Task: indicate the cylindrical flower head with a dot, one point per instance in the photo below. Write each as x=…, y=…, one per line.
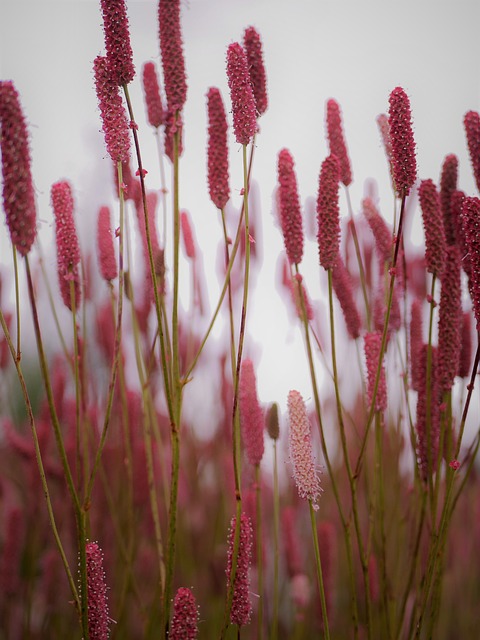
x=251, y=414
x=336, y=140
x=241, y=610
x=117, y=41
x=18, y=194
x=403, y=144
x=456, y=204
x=187, y=235
x=301, y=455
x=98, y=619
x=218, y=185
x=328, y=213
x=68, y=249
x=112, y=111
x=471, y=123
x=373, y=343
x=382, y=234
x=271, y=421
x=449, y=321
x=435, y=244
x=471, y=226
x=185, y=616
x=428, y=431
x=342, y=285
x=253, y=48
x=153, y=100
x=241, y=94
x=171, y=48
x=106, y=249
x=289, y=203
x=448, y=184
x=465, y=364
x=416, y=342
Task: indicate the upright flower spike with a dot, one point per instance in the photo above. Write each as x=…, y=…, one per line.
x=153, y=99
x=106, y=249
x=336, y=140
x=171, y=49
x=328, y=213
x=456, y=204
x=428, y=431
x=416, y=342
x=68, y=249
x=404, y=162
x=465, y=363
x=381, y=232
x=18, y=194
x=289, y=203
x=342, y=285
x=304, y=472
x=218, y=183
x=448, y=184
x=241, y=94
x=112, y=111
x=373, y=344
x=471, y=226
x=435, y=244
x=251, y=414
x=271, y=421
x=241, y=610
x=185, y=616
x=449, y=321
x=471, y=122
x=384, y=128
x=117, y=41
x=98, y=619
x=253, y=48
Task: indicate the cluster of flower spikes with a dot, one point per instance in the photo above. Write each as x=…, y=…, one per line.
x=117, y=41
x=241, y=610
x=217, y=152
x=18, y=193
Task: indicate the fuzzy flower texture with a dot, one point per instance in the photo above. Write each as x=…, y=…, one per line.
x=289, y=203
x=404, y=163
x=251, y=415
x=304, y=472
x=117, y=41
x=241, y=610
x=171, y=48
x=241, y=94
x=98, y=620
x=185, y=616
x=218, y=184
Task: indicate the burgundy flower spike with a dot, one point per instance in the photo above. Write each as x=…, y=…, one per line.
x=404, y=162
x=289, y=202
x=217, y=149
x=253, y=49
x=241, y=94
x=117, y=41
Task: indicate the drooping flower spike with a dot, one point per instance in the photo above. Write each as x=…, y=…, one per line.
x=404, y=161
x=253, y=48
x=241, y=94
x=117, y=41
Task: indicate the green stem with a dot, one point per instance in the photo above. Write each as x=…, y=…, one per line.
x=258, y=492
x=318, y=565
x=17, y=301
x=276, y=552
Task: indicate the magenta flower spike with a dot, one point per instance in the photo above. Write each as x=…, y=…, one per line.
x=105, y=246
x=381, y=232
x=373, y=344
x=449, y=321
x=424, y=451
x=252, y=420
x=471, y=218
x=171, y=49
x=253, y=48
x=328, y=213
x=187, y=235
x=435, y=245
x=301, y=455
x=342, y=285
x=241, y=610
x=153, y=99
x=98, y=619
x=218, y=182
x=241, y=94
x=185, y=616
x=117, y=41
x=448, y=184
x=114, y=118
x=68, y=249
x=336, y=140
x=18, y=193
x=289, y=204
x=404, y=162
x=471, y=122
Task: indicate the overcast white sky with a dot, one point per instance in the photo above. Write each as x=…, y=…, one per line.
x=355, y=51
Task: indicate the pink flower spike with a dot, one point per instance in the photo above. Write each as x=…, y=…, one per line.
x=328, y=213
x=289, y=204
x=454, y=464
x=448, y=184
x=435, y=244
x=241, y=610
x=185, y=616
x=253, y=48
x=464, y=366
x=251, y=414
x=241, y=94
x=471, y=218
x=381, y=232
x=403, y=144
x=117, y=41
x=187, y=235
x=416, y=342
x=153, y=100
x=106, y=249
x=18, y=193
x=373, y=343
x=428, y=443
x=342, y=285
x=218, y=183
x=98, y=619
x=301, y=455
x=471, y=122
x=336, y=140
x=171, y=48
x=68, y=249
x=449, y=322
